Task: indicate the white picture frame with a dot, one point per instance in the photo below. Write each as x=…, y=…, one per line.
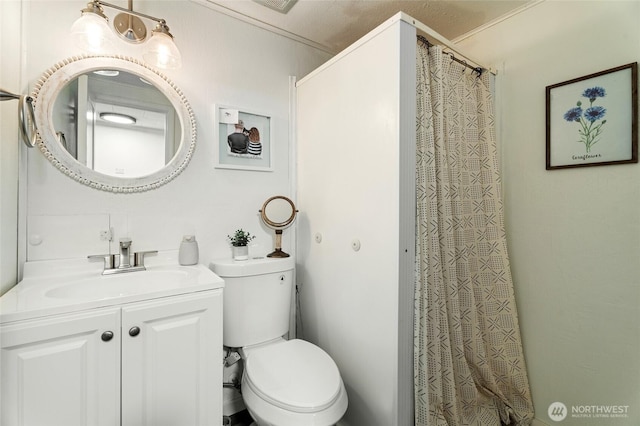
x=230, y=151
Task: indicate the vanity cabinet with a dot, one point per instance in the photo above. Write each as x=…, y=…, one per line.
x=57, y=371
x=152, y=363
x=171, y=366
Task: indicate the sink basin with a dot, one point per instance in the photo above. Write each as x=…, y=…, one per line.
x=118, y=285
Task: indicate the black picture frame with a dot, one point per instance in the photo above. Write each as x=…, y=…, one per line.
x=593, y=120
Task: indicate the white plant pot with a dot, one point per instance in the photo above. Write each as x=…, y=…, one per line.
x=240, y=252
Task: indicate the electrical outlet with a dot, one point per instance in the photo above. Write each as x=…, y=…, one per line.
x=106, y=235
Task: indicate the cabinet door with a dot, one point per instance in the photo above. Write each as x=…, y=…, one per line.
x=171, y=365
x=59, y=370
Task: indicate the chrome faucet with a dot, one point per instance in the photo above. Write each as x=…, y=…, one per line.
x=124, y=259
x=125, y=254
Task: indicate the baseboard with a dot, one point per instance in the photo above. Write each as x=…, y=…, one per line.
x=537, y=422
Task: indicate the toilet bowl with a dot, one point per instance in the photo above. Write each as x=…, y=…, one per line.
x=285, y=382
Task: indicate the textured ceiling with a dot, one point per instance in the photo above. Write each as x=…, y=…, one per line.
x=336, y=24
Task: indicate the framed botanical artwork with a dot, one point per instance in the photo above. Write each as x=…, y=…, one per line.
x=244, y=139
x=593, y=120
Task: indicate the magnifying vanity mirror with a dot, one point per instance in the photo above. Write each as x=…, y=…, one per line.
x=113, y=123
x=278, y=213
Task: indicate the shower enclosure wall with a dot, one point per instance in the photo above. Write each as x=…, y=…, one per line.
x=356, y=231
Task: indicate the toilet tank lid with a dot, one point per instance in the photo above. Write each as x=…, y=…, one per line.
x=256, y=266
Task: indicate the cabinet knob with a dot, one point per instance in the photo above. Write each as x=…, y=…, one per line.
x=106, y=336
x=134, y=331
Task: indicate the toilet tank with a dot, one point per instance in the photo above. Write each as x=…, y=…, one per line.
x=257, y=299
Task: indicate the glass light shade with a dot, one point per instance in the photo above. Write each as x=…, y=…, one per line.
x=92, y=33
x=162, y=52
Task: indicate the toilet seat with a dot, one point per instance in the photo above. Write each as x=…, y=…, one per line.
x=294, y=375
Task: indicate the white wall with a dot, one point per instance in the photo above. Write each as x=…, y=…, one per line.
x=225, y=61
x=127, y=152
x=10, y=80
x=356, y=168
x=574, y=235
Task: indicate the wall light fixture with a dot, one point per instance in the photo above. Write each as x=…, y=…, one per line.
x=91, y=32
x=116, y=117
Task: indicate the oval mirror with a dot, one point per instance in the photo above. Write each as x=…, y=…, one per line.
x=278, y=213
x=113, y=123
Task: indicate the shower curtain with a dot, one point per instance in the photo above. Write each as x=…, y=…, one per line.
x=469, y=366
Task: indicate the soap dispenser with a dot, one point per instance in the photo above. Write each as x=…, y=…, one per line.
x=188, y=254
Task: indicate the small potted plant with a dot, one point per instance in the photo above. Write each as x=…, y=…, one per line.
x=239, y=242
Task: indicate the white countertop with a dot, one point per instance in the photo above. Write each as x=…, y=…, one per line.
x=47, y=285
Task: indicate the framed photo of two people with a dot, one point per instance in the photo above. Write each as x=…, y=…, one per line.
x=244, y=139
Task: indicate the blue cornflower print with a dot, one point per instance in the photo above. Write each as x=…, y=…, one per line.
x=573, y=114
x=594, y=113
x=589, y=130
x=594, y=92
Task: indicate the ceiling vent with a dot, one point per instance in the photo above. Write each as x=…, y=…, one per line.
x=282, y=6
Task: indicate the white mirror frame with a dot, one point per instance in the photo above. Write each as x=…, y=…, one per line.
x=53, y=81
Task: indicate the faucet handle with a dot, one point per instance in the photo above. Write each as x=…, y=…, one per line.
x=125, y=242
x=109, y=260
x=138, y=257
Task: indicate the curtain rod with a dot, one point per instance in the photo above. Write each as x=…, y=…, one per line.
x=440, y=39
x=477, y=69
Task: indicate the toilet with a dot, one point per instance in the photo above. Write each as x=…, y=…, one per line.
x=285, y=382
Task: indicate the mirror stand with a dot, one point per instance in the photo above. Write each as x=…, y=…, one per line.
x=278, y=249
